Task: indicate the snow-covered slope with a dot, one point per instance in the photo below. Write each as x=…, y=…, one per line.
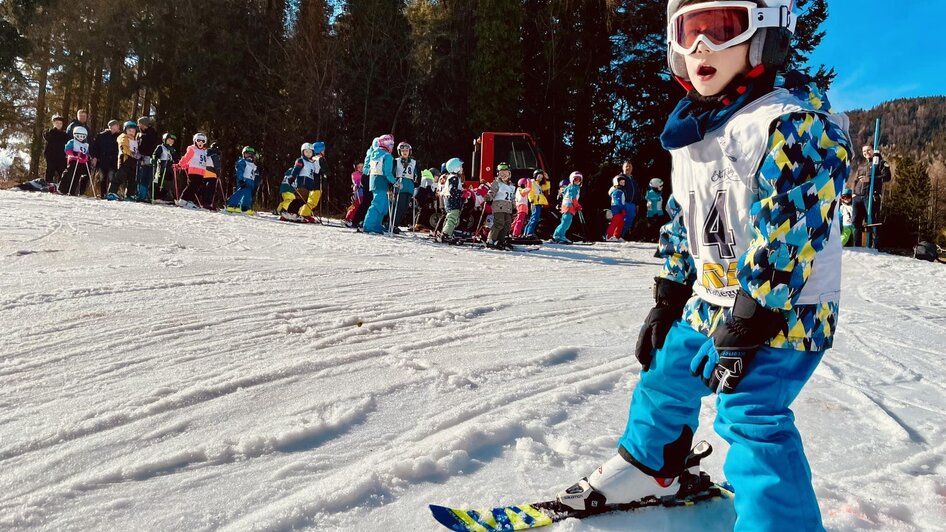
x=166, y=369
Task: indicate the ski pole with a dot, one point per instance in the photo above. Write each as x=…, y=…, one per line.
x=72, y=182
x=875, y=162
x=584, y=226
x=393, y=207
x=479, y=224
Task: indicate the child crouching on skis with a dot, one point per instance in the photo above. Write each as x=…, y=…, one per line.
x=246, y=176
x=296, y=206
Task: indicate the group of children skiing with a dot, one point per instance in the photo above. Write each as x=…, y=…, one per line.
x=387, y=186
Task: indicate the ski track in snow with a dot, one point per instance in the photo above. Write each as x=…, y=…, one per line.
x=167, y=369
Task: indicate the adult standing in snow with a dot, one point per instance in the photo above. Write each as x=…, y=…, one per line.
x=148, y=141
x=55, y=150
x=861, y=188
x=82, y=119
x=105, y=155
x=765, y=268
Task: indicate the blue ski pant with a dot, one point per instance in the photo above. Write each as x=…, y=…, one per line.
x=243, y=197
x=630, y=212
x=563, y=226
x=533, y=220
x=145, y=178
x=766, y=463
x=377, y=212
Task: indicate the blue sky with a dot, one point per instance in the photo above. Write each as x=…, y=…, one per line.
x=884, y=50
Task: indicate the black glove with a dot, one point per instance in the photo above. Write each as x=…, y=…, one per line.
x=242, y=183
x=670, y=297
x=723, y=360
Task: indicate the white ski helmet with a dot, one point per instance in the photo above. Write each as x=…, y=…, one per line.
x=773, y=22
x=200, y=136
x=657, y=183
x=617, y=178
x=575, y=177
x=80, y=131
x=307, y=146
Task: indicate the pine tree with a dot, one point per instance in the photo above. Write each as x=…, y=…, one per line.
x=906, y=208
x=496, y=91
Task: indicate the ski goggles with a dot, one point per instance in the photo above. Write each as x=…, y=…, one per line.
x=722, y=25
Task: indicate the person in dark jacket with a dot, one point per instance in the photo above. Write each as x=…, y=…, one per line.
x=55, y=151
x=105, y=155
x=148, y=141
x=82, y=119
x=861, y=188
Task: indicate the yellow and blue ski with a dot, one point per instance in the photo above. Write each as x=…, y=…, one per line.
x=529, y=516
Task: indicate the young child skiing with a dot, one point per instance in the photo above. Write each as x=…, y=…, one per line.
x=538, y=198
x=194, y=163
x=309, y=183
x=164, y=160
x=296, y=205
x=761, y=249
x=128, y=157
x=246, y=174
x=655, y=208
x=452, y=194
x=523, y=191
x=618, y=205
x=381, y=170
x=570, y=207
x=502, y=194
x=405, y=173
x=77, y=174
x=357, y=194
x=847, y=218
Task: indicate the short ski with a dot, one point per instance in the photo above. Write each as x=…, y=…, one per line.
x=530, y=516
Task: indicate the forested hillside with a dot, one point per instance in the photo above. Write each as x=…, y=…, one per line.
x=913, y=139
x=587, y=78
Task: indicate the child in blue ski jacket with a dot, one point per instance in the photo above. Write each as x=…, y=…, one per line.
x=380, y=167
x=746, y=302
x=570, y=207
x=246, y=176
x=655, y=208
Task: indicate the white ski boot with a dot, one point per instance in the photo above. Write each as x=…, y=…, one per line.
x=618, y=481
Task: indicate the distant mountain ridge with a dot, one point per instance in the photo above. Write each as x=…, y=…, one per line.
x=914, y=126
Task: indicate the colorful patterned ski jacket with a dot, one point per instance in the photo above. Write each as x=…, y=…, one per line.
x=761, y=216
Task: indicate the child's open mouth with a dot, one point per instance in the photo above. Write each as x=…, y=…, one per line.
x=705, y=72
